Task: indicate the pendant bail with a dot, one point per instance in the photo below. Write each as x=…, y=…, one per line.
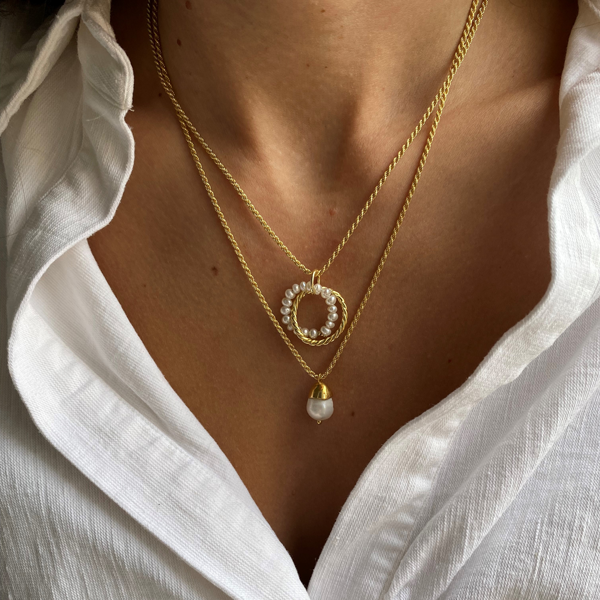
x=315, y=275
x=320, y=402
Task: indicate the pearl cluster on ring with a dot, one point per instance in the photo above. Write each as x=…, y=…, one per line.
x=317, y=289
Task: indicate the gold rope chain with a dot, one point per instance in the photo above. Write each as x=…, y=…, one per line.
x=471, y=25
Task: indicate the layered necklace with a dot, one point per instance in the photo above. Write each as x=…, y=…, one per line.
x=320, y=402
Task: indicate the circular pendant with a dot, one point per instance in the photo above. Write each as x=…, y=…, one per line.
x=337, y=313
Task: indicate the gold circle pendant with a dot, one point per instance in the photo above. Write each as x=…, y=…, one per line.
x=337, y=313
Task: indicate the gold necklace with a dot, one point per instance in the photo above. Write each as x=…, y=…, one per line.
x=320, y=402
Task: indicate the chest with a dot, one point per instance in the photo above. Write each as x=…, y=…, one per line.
x=471, y=260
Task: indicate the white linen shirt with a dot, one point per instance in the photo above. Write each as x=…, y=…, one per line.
x=111, y=489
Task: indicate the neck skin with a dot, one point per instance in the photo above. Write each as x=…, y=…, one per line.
x=306, y=76
x=315, y=92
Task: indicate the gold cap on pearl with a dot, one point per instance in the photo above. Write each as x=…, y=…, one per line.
x=320, y=392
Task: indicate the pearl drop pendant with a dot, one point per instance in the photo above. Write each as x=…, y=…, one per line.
x=320, y=402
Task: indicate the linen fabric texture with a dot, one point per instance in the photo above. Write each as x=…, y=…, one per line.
x=111, y=489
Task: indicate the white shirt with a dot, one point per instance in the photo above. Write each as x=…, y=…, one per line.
x=111, y=489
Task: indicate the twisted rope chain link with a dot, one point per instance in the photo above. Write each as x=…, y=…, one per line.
x=190, y=132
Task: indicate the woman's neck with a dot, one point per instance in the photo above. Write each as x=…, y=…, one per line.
x=309, y=70
x=313, y=85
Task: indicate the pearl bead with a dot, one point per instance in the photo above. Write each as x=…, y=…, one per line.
x=285, y=310
x=313, y=333
x=332, y=309
x=286, y=319
x=305, y=331
x=308, y=286
x=317, y=288
x=290, y=327
x=295, y=288
x=303, y=286
x=286, y=302
x=325, y=292
x=331, y=300
x=333, y=316
x=330, y=324
x=289, y=294
x=325, y=331
x=319, y=410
